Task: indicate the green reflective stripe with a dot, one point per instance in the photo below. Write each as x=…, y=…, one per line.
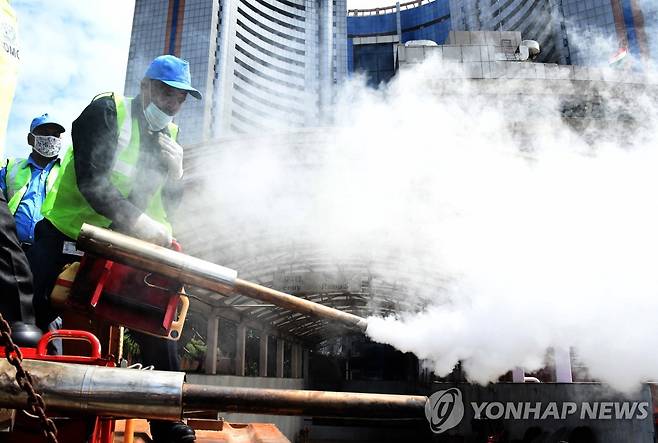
x=123, y=164
x=124, y=122
x=15, y=182
x=125, y=161
x=173, y=130
x=123, y=168
x=18, y=180
x=52, y=177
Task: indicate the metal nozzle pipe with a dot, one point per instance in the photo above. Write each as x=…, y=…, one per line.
x=305, y=403
x=194, y=271
x=297, y=304
x=131, y=393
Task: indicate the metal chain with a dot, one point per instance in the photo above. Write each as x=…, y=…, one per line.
x=24, y=379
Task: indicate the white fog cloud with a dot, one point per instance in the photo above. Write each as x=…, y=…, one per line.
x=518, y=244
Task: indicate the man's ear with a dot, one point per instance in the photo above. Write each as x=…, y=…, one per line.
x=145, y=88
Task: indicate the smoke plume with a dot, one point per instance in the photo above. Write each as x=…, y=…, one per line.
x=546, y=247
x=499, y=227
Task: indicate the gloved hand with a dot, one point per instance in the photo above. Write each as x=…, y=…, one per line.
x=150, y=230
x=172, y=152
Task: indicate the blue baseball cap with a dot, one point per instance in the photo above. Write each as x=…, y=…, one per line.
x=44, y=120
x=174, y=72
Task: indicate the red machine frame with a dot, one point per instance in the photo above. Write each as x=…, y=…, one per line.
x=103, y=430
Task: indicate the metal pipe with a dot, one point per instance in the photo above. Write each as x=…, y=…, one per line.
x=130, y=393
x=97, y=390
x=203, y=274
x=303, y=403
x=297, y=304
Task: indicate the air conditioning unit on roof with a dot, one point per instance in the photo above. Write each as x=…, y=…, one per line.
x=419, y=43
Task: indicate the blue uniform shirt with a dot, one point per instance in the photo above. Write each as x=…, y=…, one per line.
x=28, y=213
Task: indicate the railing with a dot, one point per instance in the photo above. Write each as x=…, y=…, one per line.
x=387, y=9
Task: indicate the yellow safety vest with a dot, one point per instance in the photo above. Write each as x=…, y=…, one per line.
x=67, y=209
x=17, y=179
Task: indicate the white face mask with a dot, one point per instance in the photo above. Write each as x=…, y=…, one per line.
x=47, y=145
x=156, y=117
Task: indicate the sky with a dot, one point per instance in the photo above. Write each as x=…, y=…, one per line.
x=70, y=52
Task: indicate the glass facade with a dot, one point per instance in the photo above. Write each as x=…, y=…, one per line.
x=584, y=21
x=372, y=34
x=538, y=20
x=650, y=11
x=568, y=31
x=261, y=64
x=375, y=61
x=187, y=29
x=622, y=22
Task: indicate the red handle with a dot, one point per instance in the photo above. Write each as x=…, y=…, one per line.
x=69, y=334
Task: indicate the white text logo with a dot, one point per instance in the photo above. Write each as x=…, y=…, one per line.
x=444, y=410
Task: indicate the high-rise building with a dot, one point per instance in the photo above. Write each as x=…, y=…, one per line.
x=606, y=25
x=373, y=33
x=261, y=64
x=580, y=32
x=650, y=10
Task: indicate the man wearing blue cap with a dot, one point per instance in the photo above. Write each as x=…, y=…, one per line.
x=124, y=172
x=26, y=181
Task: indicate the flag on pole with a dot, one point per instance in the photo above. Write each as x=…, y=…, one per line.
x=619, y=59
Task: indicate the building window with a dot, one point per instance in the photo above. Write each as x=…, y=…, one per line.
x=376, y=61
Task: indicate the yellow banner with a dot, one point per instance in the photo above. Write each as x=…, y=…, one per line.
x=9, y=59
